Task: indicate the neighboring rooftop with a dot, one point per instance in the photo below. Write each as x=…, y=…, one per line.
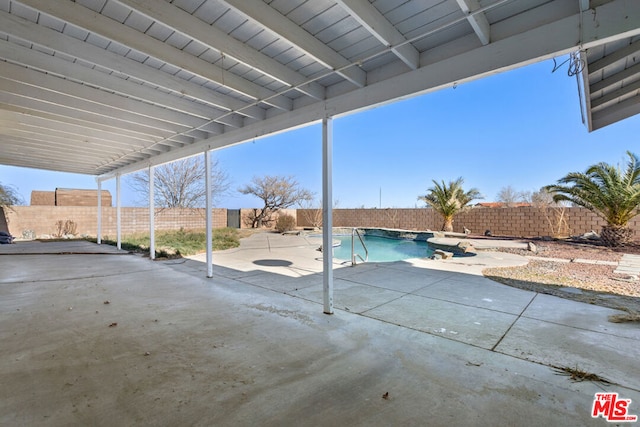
x=69, y=197
x=502, y=205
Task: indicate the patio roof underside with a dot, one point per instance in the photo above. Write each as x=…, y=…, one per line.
x=105, y=87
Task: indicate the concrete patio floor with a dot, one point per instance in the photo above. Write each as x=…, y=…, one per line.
x=107, y=339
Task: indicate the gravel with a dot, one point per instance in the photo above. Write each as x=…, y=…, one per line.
x=569, y=270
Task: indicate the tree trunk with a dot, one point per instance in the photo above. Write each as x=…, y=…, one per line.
x=616, y=235
x=447, y=225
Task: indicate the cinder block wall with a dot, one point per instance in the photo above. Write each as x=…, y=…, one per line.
x=519, y=222
x=42, y=219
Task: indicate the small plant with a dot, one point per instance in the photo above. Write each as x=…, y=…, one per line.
x=393, y=217
x=554, y=213
x=285, y=223
x=64, y=228
x=577, y=375
x=628, y=317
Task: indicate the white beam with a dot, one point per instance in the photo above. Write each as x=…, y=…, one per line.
x=70, y=88
x=152, y=211
x=220, y=41
x=45, y=90
x=327, y=214
x=625, y=91
x=209, y=206
x=37, y=34
x=118, y=215
x=615, y=113
x=369, y=17
x=478, y=21
x=99, y=231
x=619, y=55
x=80, y=120
x=96, y=23
x=615, y=79
x=280, y=25
x=615, y=20
x=70, y=130
x=75, y=72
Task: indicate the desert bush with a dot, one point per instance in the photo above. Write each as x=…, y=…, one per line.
x=64, y=228
x=285, y=223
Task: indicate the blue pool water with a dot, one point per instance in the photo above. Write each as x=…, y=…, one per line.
x=382, y=249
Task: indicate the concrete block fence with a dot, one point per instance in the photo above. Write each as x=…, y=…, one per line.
x=520, y=222
x=39, y=221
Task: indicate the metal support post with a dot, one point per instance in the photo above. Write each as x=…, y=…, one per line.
x=327, y=214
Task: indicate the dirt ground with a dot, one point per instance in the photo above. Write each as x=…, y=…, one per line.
x=571, y=278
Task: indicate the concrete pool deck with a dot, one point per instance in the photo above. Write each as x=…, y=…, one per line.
x=417, y=342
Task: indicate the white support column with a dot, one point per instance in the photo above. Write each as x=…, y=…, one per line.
x=209, y=206
x=327, y=214
x=99, y=237
x=152, y=216
x=118, y=216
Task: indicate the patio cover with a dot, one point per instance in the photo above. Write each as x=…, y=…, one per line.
x=107, y=87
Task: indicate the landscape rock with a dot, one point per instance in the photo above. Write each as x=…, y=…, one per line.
x=590, y=235
x=466, y=247
x=443, y=254
x=531, y=247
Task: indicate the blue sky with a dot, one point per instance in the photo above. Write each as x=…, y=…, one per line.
x=520, y=128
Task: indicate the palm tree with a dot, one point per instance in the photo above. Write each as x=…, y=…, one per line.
x=608, y=192
x=449, y=199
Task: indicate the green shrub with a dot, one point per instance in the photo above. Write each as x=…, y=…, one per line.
x=178, y=242
x=285, y=223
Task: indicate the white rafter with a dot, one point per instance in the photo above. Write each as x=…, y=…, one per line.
x=272, y=20
x=33, y=33
x=478, y=21
x=99, y=24
x=369, y=17
x=218, y=40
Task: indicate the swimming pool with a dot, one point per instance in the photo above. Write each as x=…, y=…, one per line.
x=382, y=249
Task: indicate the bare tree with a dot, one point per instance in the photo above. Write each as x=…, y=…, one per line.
x=312, y=211
x=276, y=192
x=509, y=196
x=554, y=212
x=9, y=196
x=542, y=198
x=181, y=184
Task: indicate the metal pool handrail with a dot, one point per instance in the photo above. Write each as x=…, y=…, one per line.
x=355, y=232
